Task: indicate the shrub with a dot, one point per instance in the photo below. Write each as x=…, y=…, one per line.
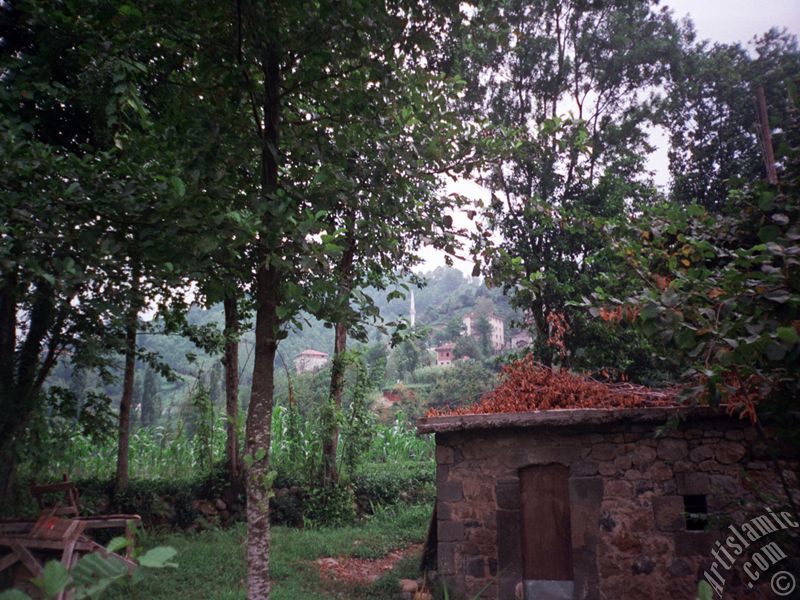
x=385, y=484
x=334, y=507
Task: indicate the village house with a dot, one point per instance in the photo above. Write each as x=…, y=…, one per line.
x=593, y=504
x=520, y=339
x=310, y=360
x=444, y=354
x=497, y=336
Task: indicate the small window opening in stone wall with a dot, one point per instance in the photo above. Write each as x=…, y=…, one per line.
x=696, y=509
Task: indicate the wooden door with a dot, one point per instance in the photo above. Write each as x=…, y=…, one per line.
x=545, y=516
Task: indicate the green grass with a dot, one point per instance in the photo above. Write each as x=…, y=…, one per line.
x=212, y=563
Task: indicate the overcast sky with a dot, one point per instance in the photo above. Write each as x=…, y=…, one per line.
x=737, y=20
x=726, y=21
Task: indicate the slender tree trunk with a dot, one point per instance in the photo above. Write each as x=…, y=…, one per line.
x=259, y=426
x=259, y=414
x=330, y=444
x=232, y=387
x=121, y=482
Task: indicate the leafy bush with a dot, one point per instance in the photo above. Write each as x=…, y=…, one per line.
x=332, y=507
x=379, y=484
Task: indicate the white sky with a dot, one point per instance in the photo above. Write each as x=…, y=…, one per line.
x=726, y=21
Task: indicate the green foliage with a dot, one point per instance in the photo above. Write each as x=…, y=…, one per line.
x=378, y=484
x=94, y=574
x=333, y=506
x=203, y=412
x=554, y=175
x=463, y=382
x=710, y=109
x=358, y=422
x=721, y=291
x=470, y=347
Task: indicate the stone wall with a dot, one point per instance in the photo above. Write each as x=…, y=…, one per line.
x=629, y=534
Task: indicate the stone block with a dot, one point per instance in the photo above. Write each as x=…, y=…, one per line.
x=450, y=491
x=564, y=455
x=509, y=544
x=607, y=468
x=643, y=565
x=603, y=452
x=446, y=555
x=583, y=468
x=549, y=590
x=633, y=475
x=658, y=471
x=478, y=491
x=672, y=449
x=508, y=587
x=615, y=488
x=586, y=490
x=729, y=452
x=643, y=455
x=450, y=531
x=694, y=543
x=669, y=513
x=702, y=453
x=476, y=567
x=507, y=494
x=689, y=483
x=623, y=462
x=734, y=434
x=444, y=455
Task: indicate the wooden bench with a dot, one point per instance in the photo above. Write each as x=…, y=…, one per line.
x=61, y=529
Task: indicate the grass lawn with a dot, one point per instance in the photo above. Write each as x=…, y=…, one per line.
x=212, y=562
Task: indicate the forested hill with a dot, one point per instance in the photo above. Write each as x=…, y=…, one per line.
x=447, y=295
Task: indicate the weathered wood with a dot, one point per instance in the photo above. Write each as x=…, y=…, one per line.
x=8, y=560
x=30, y=562
x=545, y=523
x=563, y=418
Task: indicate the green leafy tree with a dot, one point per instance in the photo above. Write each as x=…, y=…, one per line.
x=564, y=88
x=468, y=346
x=69, y=259
x=712, y=118
x=721, y=291
x=483, y=333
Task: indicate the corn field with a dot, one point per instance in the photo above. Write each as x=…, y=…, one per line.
x=171, y=452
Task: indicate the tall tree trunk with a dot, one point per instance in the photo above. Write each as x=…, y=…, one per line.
x=121, y=482
x=232, y=387
x=259, y=426
x=24, y=367
x=330, y=444
x=268, y=278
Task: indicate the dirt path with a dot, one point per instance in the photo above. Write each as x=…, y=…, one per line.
x=360, y=571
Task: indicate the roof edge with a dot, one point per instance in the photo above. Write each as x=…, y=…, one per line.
x=564, y=417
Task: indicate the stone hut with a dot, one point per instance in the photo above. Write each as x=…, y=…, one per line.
x=610, y=504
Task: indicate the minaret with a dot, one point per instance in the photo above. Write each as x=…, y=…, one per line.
x=412, y=313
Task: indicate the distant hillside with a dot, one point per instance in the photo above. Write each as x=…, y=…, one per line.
x=447, y=295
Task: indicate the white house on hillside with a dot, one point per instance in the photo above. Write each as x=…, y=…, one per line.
x=310, y=360
x=497, y=340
